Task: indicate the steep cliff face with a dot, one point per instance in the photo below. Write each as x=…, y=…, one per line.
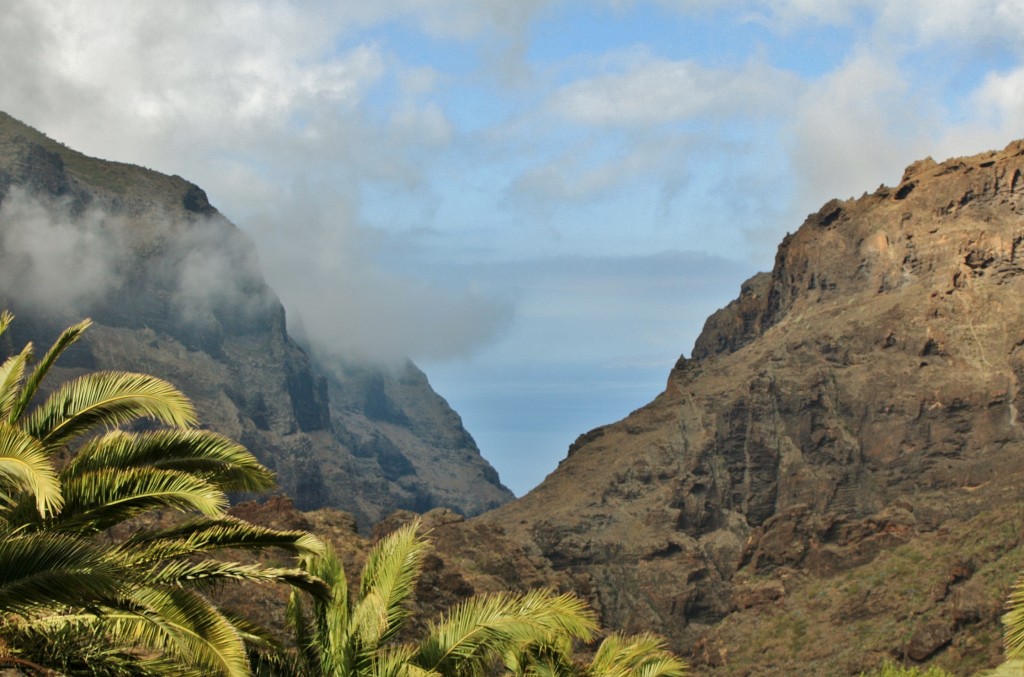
x=176, y=290
x=829, y=479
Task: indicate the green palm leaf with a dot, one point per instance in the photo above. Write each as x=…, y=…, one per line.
x=396, y=662
x=106, y=400
x=207, y=534
x=332, y=639
x=389, y=577
x=97, y=500
x=471, y=637
x=6, y=317
x=1013, y=621
x=308, y=642
x=1011, y=668
x=74, y=644
x=182, y=572
x=131, y=607
x=218, y=459
x=41, y=570
x=544, y=658
x=26, y=468
x=12, y=372
x=67, y=337
x=180, y=624
x=643, y=655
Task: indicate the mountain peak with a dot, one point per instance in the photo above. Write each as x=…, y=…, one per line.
x=847, y=407
x=175, y=289
x=838, y=253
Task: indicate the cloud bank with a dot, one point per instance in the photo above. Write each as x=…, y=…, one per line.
x=356, y=141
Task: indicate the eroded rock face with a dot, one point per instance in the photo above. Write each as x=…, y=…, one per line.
x=854, y=402
x=176, y=290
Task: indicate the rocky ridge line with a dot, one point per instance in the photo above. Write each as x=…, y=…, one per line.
x=176, y=290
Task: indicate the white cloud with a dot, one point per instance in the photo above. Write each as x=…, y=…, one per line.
x=60, y=259
x=963, y=21
x=657, y=91
x=53, y=262
x=853, y=129
x=926, y=21
x=267, y=106
x=997, y=106
x=583, y=173
x=1000, y=98
x=152, y=83
x=327, y=272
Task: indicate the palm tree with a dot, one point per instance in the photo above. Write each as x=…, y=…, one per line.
x=70, y=477
x=625, y=656
x=643, y=655
x=1013, y=634
x=350, y=637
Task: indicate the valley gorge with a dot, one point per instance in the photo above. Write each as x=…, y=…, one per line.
x=833, y=477
x=830, y=479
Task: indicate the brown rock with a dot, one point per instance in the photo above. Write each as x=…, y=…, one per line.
x=929, y=638
x=852, y=421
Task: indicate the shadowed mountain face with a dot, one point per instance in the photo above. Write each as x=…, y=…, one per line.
x=176, y=290
x=836, y=474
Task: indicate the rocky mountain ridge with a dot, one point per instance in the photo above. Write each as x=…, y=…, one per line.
x=835, y=475
x=175, y=290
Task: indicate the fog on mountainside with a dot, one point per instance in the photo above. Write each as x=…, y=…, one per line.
x=176, y=290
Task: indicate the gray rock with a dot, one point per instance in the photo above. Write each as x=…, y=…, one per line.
x=176, y=290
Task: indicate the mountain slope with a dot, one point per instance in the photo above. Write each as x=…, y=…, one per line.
x=835, y=475
x=176, y=290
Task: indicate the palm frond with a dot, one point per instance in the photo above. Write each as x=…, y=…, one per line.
x=563, y=615
x=665, y=665
x=6, y=317
x=97, y=500
x=218, y=459
x=73, y=644
x=389, y=577
x=206, y=534
x=1011, y=668
x=543, y=658
x=1013, y=621
x=268, y=657
x=336, y=650
x=12, y=372
x=396, y=661
x=26, y=468
x=476, y=632
x=106, y=399
x=183, y=625
x=40, y=570
x=180, y=572
x=67, y=337
x=306, y=640
x=643, y=655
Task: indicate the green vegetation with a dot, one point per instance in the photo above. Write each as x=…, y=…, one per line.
x=86, y=587
x=527, y=634
x=113, y=531
x=890, y=669
x=353, y=636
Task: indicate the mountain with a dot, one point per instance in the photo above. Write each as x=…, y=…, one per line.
x=175, y=290
x=835, y=475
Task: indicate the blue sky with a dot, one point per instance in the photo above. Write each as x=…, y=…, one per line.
x=540, y=202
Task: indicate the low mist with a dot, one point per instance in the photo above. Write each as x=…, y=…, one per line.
x=197, y=273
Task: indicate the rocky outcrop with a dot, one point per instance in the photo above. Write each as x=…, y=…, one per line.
x=176, y=290
x=827, y=481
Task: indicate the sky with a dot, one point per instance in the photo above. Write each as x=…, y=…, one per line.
x=537, y=201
